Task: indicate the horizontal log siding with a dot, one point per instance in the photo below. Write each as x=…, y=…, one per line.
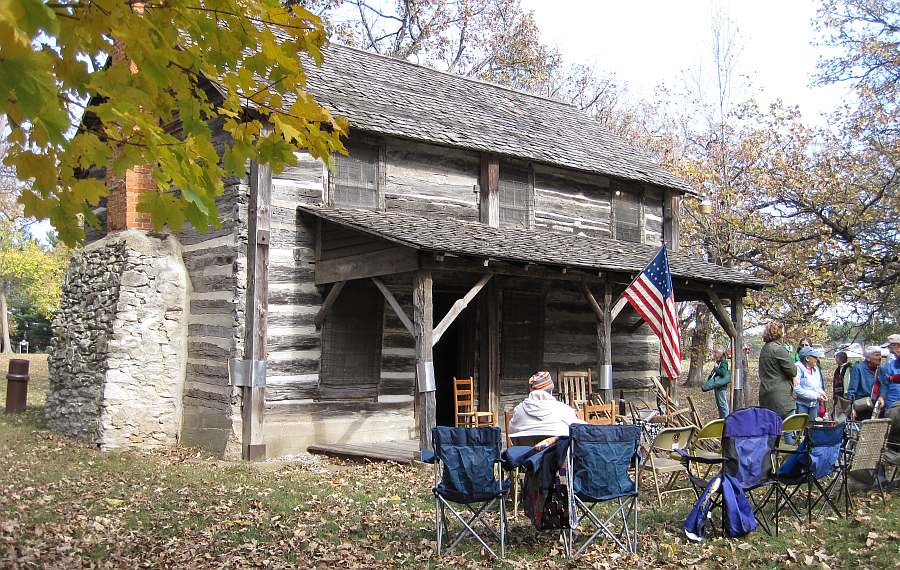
x=293, y=343
x=398, y=352
x=215, y=266
x=570, y=343
x=653, y=216
x=430, y=180
x=571, y=202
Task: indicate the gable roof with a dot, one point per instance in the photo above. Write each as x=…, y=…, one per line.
x=469, y=238
x=389, y=96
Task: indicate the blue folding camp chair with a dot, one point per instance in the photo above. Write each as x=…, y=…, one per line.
x=745, y=483
x=598, y=460
x=816, y=466
x=467, y=473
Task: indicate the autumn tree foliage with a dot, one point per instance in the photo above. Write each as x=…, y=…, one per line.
x=184, y=62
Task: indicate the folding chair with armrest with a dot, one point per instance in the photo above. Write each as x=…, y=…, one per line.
x=749, y=441
x=598, y=460
x=864, y=452
x=467, y=465
x=813, y=470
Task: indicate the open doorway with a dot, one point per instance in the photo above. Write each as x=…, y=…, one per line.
x=453, y=356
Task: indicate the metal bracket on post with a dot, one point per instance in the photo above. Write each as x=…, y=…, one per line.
x=425, y=375
x=738, y=379
x=606, y=377
x=247, y=373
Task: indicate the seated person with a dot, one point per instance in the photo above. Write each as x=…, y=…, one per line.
x=540, y=415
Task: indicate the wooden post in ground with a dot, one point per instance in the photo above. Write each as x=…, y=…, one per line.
x=604, y=339
x=423, y=323
x=256, y=314
x=737, y=342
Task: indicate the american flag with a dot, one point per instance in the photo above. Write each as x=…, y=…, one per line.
x=652, y=297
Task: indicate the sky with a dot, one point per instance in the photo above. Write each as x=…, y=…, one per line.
x=645, y=42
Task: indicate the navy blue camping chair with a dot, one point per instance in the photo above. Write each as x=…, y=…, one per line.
x=467, y=473
x=749, y=448
x=816, y=466
x=598, y=460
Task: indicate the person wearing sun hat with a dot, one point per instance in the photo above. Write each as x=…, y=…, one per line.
x=809, y=386
x=540, y=414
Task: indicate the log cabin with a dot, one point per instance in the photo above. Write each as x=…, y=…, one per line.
x=471, y=231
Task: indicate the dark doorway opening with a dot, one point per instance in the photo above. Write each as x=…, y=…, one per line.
x=453, y=356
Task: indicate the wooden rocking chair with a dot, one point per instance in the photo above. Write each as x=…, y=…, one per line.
x=575, y=387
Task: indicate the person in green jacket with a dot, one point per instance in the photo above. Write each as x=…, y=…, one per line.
x=776, y=373
x=718, y=380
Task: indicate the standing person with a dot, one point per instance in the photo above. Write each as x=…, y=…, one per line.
x=804, y=342
x=809, y=385
x=776, y=372
x=889, y=378
x=862, y=375
x=840, y=373
x=718, y=380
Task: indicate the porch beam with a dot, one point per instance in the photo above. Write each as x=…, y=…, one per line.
x=388, y=261
x=457, y=308
x=494, y=267
x=330, y=298
x=395, y=305
x=423, y=322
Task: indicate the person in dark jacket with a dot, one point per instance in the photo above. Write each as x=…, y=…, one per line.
x=776, y=372
x=840, y=374
x=718, y=380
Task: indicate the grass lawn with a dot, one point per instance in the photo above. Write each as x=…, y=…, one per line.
x=64, y=504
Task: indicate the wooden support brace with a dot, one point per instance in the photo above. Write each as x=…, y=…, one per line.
x=598, y=310
x=458, y=308
x=720, y=313
x=617, y=308
x=395, y=305
x=329, y=301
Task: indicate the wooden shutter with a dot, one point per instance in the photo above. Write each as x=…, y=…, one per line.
x=628, y=216
x=351, y=344
x=522, y=338
x=355, y=178
x=515, y=196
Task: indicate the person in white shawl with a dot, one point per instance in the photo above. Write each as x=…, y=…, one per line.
x=540, y=414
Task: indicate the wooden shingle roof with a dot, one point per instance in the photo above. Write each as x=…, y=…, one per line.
x=468, y=238
x=394, y=97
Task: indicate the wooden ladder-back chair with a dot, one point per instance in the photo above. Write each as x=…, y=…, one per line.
x=598, y=414
x=574, y=387
x=673, y=416
x=465, y=407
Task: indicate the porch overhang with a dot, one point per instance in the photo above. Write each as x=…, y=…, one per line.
x=358, y=244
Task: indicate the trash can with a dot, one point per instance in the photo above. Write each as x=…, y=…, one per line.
x=17, y=385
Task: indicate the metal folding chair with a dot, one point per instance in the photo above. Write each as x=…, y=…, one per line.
x=813, y=470
x=467, y=473
x=663, y=459
x=794, y=423
x=598, y=460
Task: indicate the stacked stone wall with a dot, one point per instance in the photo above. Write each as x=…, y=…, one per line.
x=118, y=359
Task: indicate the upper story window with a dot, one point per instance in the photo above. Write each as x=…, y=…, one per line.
x=516, y=196
x=627, y=211
x=355, y=180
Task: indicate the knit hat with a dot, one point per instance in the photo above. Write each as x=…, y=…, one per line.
x=541, y=381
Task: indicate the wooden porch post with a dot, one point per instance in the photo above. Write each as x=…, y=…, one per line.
x=256, y=321
x=737, y=319
x=423, y=322
x=605, y=318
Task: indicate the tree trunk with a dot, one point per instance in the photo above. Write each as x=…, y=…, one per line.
x=4, y=322
x=699, y=346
